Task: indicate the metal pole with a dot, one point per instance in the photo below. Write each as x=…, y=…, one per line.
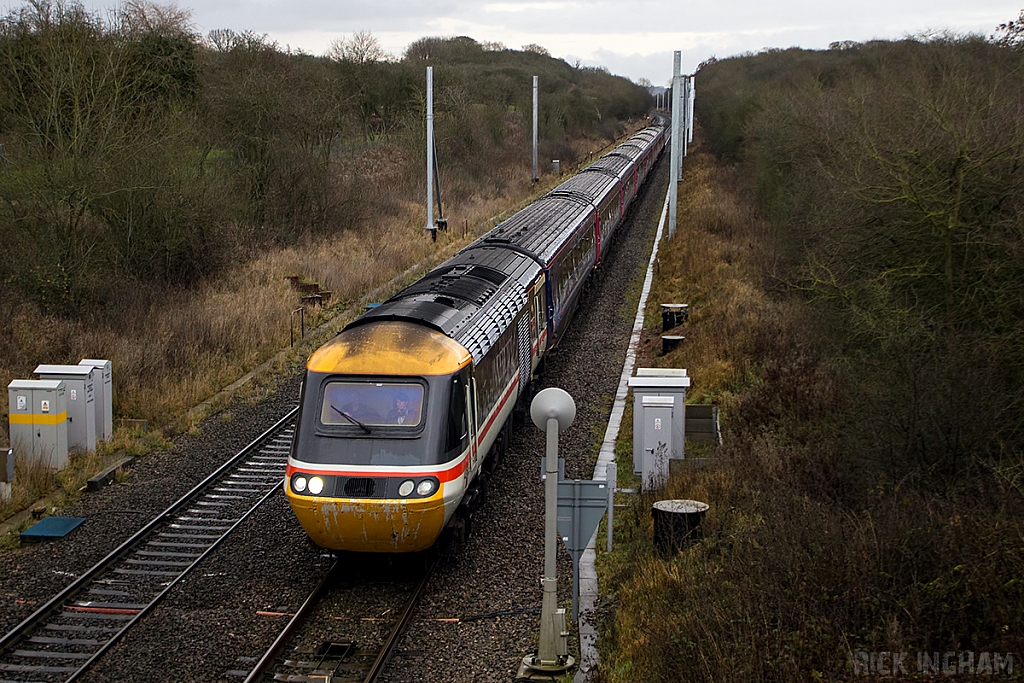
x=430, y=148
x=546, y=650
x=676, y=146
x=535, y=176
x=693, y=97
x=576, y=554
x=553, y=411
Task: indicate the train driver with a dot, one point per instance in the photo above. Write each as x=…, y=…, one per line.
x=405, y=411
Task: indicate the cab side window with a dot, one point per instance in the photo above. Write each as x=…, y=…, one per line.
x=458, y=428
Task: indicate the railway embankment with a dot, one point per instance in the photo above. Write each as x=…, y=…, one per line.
x=865, y=502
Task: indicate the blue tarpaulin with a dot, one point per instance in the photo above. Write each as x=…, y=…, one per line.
x=52, y=527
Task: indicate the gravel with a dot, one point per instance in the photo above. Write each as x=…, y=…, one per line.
x=268, y=565
x=34, y=573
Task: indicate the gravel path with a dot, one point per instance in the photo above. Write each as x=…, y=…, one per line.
x=268, y=565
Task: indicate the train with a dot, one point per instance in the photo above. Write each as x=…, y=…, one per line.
x=404, y=415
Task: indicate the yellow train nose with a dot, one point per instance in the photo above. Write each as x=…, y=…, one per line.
x=386, y=526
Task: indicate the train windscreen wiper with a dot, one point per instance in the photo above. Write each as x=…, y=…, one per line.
x=351, y=419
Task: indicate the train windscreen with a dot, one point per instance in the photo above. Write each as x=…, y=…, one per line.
x=372, y=404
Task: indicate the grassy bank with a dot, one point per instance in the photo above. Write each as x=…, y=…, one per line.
x=812, y=550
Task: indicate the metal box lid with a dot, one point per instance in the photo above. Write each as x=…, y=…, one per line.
x=35, y=384
x=659, y=382
x=661, y=372
x=76, y=370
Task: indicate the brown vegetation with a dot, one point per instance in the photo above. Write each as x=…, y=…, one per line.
x=852, y=265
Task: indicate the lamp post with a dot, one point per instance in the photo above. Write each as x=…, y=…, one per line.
x=553, y=411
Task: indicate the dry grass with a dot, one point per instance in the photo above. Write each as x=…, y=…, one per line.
x=714, y=265
x=33, y=480
x=809, y=553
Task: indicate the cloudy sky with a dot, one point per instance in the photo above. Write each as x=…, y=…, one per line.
x=633, y=38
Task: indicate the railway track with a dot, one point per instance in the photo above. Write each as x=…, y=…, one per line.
x=303, y=653
x=62, y=639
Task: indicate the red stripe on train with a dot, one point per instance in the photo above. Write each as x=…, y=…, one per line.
x=450, y=474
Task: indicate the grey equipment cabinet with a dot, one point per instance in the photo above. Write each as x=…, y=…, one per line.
x=38, y=417
x=102, y=385
x=81, y=403
x=659, y=382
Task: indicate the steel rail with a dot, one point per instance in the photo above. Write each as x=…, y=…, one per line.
x=396, y=633
x=297, y=620
x=263, y=669
x=27, y=626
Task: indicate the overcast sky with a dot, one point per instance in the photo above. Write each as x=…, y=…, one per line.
x=633, y=39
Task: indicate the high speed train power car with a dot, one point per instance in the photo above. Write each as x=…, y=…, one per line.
x=404, y=413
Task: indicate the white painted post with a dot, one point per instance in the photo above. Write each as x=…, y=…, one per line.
x=612, y=477
x=693, y=97
x=686, y=119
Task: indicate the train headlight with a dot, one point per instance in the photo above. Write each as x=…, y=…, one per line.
x=406, y=488
x=316, y=485
x=299, y=484
x=425, y=487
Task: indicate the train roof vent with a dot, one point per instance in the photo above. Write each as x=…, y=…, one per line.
x=495, y=277
x=445, y=300
x=466, y=288
x=457, y=271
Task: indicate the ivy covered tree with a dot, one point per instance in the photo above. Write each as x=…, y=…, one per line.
x=1011, y=34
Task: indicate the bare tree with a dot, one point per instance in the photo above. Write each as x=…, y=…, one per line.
x=539, y=49
x=220, y=39
x=363, y=47
x=155, y=18
x=226, y=40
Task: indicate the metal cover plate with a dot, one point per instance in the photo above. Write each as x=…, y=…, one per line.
x=52, y=527
x=590, y=497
